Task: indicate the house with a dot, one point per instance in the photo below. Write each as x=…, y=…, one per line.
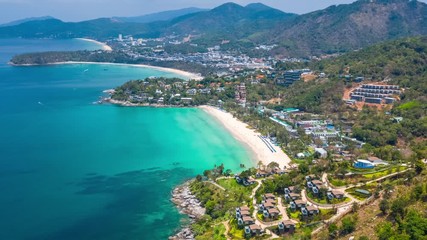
x=286, y=226
x=238, y=179
x=186, y=100
x=300, y=203
x=361, y=163
x=308, y=178
x=335, y=194
x=248, y=181
x=262, y=174
x=267, y=205
x=273, y=212
x=376, y=161
x=322, y=152
x=191, y=92
x=252, y=229
x=269, y=196
x=271, y=201
x=245, y=221
x=289, y=189
x=279, y=171
x=315, y=190
x=312, y=210
x=291, y=196
x=297, y=204
x=317, y=183
x=243, y=208
x=242, y=211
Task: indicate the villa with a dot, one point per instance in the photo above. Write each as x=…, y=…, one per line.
x=271, y=213
x=269, y=196
x=245, y=221
x=286, y=226
x=312, y=210
x=253, y=229
x=292, y=196
x=267, y=205
x=289, y=189
x=298, y=204
x=335, y=194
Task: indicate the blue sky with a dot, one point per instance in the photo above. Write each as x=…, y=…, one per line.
x=77, y=10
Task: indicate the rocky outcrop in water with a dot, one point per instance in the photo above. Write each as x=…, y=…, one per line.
x=187, y=204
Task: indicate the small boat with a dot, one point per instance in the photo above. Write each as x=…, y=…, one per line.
x=86, y=70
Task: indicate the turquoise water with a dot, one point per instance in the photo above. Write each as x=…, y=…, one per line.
x=70, y=169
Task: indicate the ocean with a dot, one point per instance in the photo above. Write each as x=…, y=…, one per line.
x=71, y=169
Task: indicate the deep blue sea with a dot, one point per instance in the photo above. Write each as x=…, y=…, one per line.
x=71, y=169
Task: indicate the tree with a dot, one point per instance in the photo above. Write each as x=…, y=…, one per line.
x=348, y=224
x=333, y=230
x=260, y=164
x=355, y=207
x=199, y=177
x=419, y=166
x=303, y=168
x=398, y=208
x=384, y=206
x=273, y=165
x=385, y=231
x=207, y=173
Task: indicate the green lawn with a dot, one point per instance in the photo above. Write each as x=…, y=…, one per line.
x=384, y=172
x=232, y=186
x=235, y=231
x=294, y=215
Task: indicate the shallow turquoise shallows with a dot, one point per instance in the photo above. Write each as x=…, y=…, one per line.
x=71, y=169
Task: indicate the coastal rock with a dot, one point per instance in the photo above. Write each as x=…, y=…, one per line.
x=189, y=205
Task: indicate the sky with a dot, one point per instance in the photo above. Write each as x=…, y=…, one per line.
x=78, y=10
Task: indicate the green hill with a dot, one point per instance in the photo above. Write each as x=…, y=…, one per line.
x=402, y=62
x=351, y=26
x=338, y=28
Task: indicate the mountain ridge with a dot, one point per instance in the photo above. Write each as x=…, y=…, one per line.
x=338, y=28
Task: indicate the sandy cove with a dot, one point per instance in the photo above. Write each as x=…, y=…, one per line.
x=250, y=137
x=105, y=47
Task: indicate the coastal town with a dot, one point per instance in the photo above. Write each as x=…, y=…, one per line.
x=199, y=120
x=221, y=57
x=319, y=177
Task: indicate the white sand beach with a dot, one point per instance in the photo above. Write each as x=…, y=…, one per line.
x=187, y=75
x=105, y=47
x=250, y=137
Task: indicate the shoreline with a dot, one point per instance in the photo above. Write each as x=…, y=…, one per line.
x=182, y=73
x=189, y=205
x=105, y=47
x=249, y=137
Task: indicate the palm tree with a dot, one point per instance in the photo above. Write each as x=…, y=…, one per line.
x=260, y=164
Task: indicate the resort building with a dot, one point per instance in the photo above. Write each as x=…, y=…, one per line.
x=335, y=194
x=361, y=163
x=252, y=229
x=286, y=226
x=291, y=76
x=289, y=189
x=376, y=94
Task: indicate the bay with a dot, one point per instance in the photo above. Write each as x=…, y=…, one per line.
x=71, y=169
